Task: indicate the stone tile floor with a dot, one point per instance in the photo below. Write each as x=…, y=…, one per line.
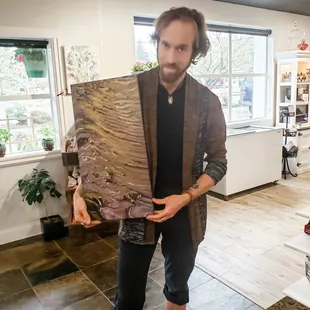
x=79, y=273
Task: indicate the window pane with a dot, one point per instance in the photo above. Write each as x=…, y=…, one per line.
x=220, y=87
x=248, y=98
x=25, y=119
x=216, y=61
x=248, y=53
x=14, y=80
x=145, y=49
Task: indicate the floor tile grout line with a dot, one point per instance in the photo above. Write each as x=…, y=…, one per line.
x=16, y=293
x=155, y=281
x=68, y=256
x=32, y=288
x=219, y=278
x=99, y=291
x=101, y=262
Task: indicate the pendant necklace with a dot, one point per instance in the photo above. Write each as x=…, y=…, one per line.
x=170, y=97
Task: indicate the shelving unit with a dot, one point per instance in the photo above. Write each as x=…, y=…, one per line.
x=300, y=291
x=293, y=90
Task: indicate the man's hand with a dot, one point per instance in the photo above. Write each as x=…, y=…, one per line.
x=173, y=204
x=81, y=215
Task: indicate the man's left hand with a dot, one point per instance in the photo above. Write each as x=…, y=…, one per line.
x=173, y=204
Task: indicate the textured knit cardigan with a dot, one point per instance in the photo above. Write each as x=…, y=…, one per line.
x=204, y=134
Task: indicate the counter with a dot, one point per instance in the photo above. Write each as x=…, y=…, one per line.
x=254, y=155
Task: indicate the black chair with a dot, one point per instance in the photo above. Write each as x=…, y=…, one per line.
x=285, y=155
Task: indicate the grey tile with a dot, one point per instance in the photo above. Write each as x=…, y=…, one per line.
x=62, y=292
x=12, y=282
x=104, y=275
x=162, y=307
x=96, y=302
x=92, y=253
x=152, y=288
x=47, y=269
x=158, y=259
x=255, y=307
x=26, y=300
x=217, y=296
x=197, y=278
x=158, y=275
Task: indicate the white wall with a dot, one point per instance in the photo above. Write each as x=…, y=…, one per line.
x=18, y=219
x=108, y=24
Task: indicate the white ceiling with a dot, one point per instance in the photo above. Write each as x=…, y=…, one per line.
x=301, y=7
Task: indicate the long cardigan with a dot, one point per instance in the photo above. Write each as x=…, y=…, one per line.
x=204, y=138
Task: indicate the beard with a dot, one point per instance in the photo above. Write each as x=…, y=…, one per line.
x=171, y=73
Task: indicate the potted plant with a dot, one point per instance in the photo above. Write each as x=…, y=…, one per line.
x=34, y=60
x=34, y=189
x=48, y=135
x=4, y=138
x=139, y=66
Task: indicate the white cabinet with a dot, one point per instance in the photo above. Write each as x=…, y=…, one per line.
x=254, y=159
x=303, y=142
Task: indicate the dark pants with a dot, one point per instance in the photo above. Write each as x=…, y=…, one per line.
x=134, y=261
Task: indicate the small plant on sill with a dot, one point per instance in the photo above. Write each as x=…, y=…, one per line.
x=5, y=135
x=47, y=133
x=143, y=66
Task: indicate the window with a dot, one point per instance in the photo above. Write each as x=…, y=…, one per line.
x=236, y=67
x=27, y=96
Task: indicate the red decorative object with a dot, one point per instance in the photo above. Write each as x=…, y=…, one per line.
x=303, y=46
x=307, y=228
x=20, y=58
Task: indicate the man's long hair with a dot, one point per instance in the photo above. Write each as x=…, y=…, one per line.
x=201, y=44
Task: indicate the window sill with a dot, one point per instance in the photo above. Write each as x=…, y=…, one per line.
x=26, y=158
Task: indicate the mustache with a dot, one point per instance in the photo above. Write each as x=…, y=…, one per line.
x=171, y=66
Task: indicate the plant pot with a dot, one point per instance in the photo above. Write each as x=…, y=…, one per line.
x=35, y=69
x=53, y=228
x=48, y=144
x=2, y=150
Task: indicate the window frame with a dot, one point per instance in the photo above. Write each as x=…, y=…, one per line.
x=230, y=29
x=52, y=61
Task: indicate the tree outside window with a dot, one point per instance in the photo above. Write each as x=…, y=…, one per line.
x=235, y=69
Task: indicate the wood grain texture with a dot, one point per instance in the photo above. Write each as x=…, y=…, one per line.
x=111, y=148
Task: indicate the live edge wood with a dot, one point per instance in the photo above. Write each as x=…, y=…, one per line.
x=111, y=148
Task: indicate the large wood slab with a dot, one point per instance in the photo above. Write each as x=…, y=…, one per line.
x=112, y=149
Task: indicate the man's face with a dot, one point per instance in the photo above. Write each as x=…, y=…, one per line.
x=175, y=49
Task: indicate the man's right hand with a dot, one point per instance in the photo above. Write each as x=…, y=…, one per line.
x=81, y=215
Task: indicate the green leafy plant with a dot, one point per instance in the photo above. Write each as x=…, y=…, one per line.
x=143, y=66
x=30, y=54
x=5, y=135
x=47, y=132
x=36, y=186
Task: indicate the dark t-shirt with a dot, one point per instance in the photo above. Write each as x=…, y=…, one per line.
x=170, y=127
